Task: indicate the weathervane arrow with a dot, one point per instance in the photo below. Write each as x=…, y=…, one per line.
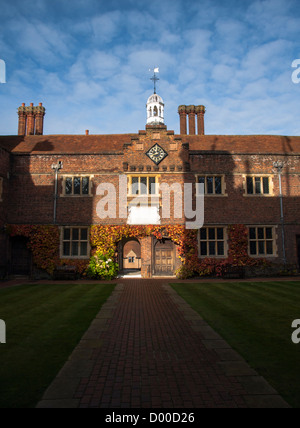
x=155, y=78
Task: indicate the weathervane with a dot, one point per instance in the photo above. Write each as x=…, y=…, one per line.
x=155, y=78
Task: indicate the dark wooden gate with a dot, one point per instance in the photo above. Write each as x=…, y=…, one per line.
x=20, y=257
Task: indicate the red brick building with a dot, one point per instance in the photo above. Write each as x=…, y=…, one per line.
x=240, y=181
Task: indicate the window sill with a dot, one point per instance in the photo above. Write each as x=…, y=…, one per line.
x=258, y=196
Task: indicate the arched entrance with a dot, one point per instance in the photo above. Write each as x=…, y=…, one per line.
x=164, y=258
x=130, y=256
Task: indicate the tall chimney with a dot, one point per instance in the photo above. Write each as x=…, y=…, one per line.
x=39, y=119
x=22, y=120
x=182, y=114
x=30, y=119
x=200, y=110
x=192, y=123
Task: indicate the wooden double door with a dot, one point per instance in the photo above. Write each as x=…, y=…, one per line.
x=164, y=258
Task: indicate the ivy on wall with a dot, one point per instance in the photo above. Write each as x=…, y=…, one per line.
x=44, y=242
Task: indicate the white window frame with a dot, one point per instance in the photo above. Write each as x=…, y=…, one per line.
x=261, y=176
x=265, y=239
x=73, y=176
x=214, y=194
x=139, y=176
x=216, y=240
x=80, y=241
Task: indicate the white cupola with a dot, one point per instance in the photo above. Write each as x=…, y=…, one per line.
x=155, y=110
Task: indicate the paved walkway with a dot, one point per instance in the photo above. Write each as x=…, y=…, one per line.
x=148, y=349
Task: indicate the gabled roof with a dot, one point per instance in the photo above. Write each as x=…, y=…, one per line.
x=68, y=144
x=101, y=144
x=243, y=144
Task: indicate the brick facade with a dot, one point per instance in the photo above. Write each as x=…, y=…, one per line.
x=28, y=180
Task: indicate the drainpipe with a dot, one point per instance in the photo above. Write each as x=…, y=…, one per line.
x=279, y=167
x=56, y=167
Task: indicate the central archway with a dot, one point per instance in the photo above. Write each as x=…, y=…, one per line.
x=130, y=260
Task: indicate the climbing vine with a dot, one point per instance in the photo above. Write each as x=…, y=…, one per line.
x=44, y=242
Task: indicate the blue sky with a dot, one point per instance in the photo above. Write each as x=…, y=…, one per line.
x=88, y=62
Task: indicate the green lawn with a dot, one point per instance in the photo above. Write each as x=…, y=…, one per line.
x=44, y=324
x=255, y=319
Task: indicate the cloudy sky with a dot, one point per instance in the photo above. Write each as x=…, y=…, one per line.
x=88, y=62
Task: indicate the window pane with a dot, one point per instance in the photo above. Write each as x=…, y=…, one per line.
x=266, y=185
x=85, y=185
x=250, y=185
x=152, y=187
x=261, y=247
x=77, y=185
x=210, y=185
x=211, y=234
x=269, y=233
x=135, y=186
x=203, y=233
x=220, y=233
x=257, y=185
x=66, y=250
x=67, y=234
x=83, y=249
x=201, y=180
x=218, y=185
x=75, y=234
x=83, y=234
x=74, y=248
x=212, y=248
x=69, y=183
x=252, y=233
x=220, y=248
x=253, y=248
x=144, y=189
x=260, y=233
x=203, y=249
x=269, y=247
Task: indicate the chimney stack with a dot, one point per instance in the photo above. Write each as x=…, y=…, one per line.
x=182, y=114
x=200, y=110
x=192, y=122
x=31, y=119
x=191, y=112
x=39, y=119
x=87, y=132
x=22, y=120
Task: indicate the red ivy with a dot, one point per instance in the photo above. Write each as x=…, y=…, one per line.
x=44, y=243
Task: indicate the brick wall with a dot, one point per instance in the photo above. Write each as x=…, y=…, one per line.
x=31, y=186
x=4, y=190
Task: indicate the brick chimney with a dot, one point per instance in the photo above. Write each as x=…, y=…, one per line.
x=39, y=119
x=191, y=111
x=182, y=114
x=200, y=110
x=31, y=119
x=22, y=120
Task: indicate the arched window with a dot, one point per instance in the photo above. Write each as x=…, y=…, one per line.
x=155, y=111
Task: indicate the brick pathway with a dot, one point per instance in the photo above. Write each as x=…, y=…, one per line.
x=148, y=349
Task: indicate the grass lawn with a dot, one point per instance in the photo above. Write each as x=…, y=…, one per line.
x=255, y=319
x=44, y=324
